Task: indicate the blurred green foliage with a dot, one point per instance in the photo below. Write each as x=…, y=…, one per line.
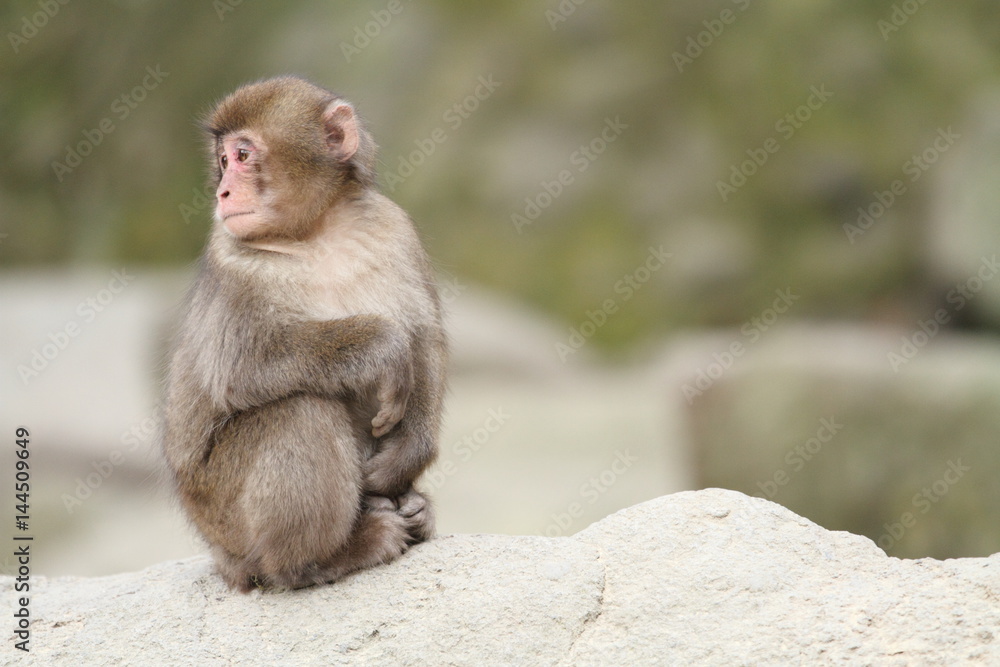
x=135, y=197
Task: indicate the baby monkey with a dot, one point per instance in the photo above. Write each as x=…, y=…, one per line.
x=306, y=382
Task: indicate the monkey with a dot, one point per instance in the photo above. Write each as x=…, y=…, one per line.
x=306, y=382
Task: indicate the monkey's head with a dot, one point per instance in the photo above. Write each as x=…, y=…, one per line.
x=283, y=151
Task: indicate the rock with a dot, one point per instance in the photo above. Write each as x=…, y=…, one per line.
x=962, y=233
x=697, y=577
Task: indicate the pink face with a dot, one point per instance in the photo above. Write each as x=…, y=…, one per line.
x=239, y=205
x=256, y=200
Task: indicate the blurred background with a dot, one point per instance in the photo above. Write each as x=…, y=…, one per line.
x=739, y=243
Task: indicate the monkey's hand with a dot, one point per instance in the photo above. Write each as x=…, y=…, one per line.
x=392, y=396
x=388, y=415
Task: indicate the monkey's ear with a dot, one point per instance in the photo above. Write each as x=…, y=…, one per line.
x=341, y=126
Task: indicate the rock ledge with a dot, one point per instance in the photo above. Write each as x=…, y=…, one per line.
x=708, y=576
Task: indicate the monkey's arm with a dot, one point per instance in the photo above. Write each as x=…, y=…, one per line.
x=188, y=420
x=405, y=452
x=328, y=358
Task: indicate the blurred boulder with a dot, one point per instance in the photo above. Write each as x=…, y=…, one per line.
x=893, y=435
x=964, y=235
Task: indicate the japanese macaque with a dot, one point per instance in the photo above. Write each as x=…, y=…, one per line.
x=305, y=389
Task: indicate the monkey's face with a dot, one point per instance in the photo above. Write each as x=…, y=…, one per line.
x=240, y=202
x=283, y=152
x=271, y=187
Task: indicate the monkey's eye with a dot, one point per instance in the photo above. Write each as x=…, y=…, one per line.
x=242, y=154
x=223, y=161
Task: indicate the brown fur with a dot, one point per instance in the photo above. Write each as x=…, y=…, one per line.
x=306, y=385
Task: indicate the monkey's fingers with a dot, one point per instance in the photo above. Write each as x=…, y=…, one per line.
x=375, y=503
x=386, y=418
x=392, y=398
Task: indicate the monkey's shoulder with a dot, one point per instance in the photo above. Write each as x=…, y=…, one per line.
x=368, y=259
x=350, y=287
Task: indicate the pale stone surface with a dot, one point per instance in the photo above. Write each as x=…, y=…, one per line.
x=706, y=577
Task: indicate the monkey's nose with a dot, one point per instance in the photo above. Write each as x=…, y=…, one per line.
x=224, y=195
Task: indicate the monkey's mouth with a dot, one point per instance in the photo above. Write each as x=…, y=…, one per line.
x=237, y=214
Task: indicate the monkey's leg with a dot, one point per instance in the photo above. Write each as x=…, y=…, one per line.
x=291, y=471
x=384, y=531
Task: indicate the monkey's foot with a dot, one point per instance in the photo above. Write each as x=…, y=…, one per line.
x=380, y=537
x=386, y=529
x=416, y=509
x=235, y=571
x=413, y=507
